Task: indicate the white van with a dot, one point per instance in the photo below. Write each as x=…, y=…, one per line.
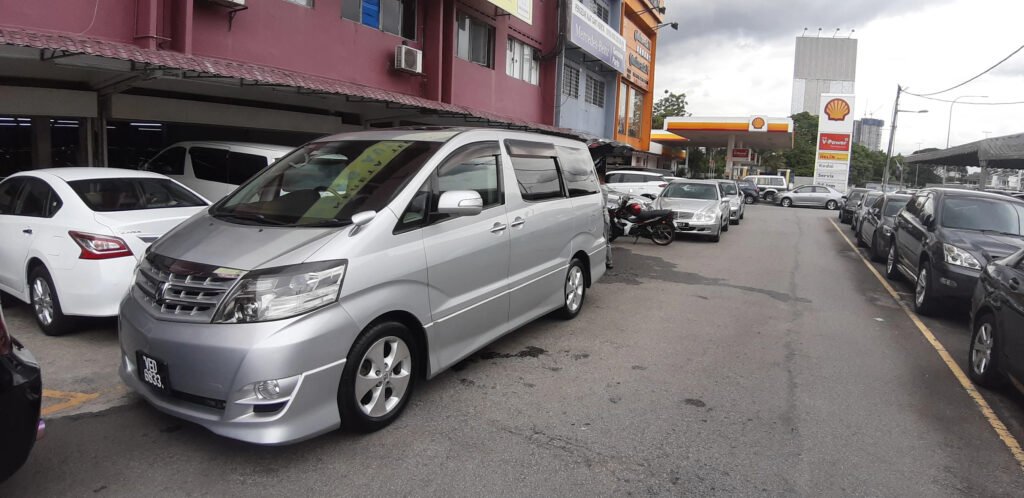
x=771, y=186
x=214, y=169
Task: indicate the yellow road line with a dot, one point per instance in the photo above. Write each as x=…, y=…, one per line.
x=71, y=400
x=986, y=410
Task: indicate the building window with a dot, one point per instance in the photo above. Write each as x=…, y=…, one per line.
x=397, y=17
x=475, y=41
x=601, y=8
x=571, y=81
x=595, y=91
x=522, y=61
x=631, y=110
x=304, y=3
x=623, y=107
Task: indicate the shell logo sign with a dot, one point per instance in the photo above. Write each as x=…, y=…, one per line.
x=837, y=110
x=757, y=123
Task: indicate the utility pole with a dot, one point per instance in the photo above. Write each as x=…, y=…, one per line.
x=892, y=138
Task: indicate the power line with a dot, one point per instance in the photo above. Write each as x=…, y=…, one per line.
x=962, y=102
x=974, y=78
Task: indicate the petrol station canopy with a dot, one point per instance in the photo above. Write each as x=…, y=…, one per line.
x=757, y=132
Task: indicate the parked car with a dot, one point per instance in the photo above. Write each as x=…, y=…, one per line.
x=851, y=203
x=74, y=235
x=731, y=191
x=352, y=287
x=21, y=392
x=750, y=191
x=812, y=196
x=997, y=322
x=636, y=182
x=770, y=185
x=214, y=169
x=699, y=207
x=943, y=238
x=868, y=200
x=877, y=223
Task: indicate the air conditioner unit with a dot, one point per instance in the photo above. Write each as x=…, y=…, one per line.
x=408, y=59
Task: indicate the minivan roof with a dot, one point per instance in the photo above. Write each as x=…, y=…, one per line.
x=444, y=134
x=219, y=143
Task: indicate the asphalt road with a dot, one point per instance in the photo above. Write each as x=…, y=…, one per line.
x=772, y=363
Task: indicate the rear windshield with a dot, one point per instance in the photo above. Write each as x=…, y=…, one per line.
x=691, y=191
x=728, y=188
x=325, y=183
x=974, y=213
x=893, y=206
x=855, y=196
x=871, y=197
x=133, y=194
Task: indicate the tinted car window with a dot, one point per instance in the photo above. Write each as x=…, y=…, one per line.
x=691, y=191
x=578, y=171
x=973, y=213
x=728, y=188
x=855, y=196
x=915, y=203
x=538, y=178
x=169, y=162
x=822, y=190
x=804, y=190
x=778, y=182
x=37, y=199
x=893, y=206
x=614, y=178
x=8, y=193
x=132, y=194
x=241, y=167
x=474, y=167
x=209, y=164
x=325, y=183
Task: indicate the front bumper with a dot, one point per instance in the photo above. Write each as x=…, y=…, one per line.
x=735, y=212
x=702, y=227
x=211, y=370
x=952, y=281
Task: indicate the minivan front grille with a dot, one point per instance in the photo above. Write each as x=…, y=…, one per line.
x=182, y=290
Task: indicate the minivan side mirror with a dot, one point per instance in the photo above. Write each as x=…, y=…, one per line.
x=460, y=203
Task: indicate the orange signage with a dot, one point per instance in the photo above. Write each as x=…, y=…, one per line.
x=758, y=123
x=837, y=110
x=638, y=54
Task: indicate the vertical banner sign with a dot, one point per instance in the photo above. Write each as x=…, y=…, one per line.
x=835, y=144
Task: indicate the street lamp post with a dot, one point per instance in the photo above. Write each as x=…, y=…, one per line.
x=949, y=123
x=892, y=136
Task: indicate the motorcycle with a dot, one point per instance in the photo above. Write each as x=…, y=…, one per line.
x=629, y=218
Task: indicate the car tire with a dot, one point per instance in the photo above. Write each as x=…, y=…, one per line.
x=891, y=263
x=769, y=196
x=574, y=290
x=725, y=226
x=924, y=301
x=859, y=239
x=831, y=205
x=787, y=202
x=45, y=304
x=983, y=358
x=749, y=199
x=392, y=344
x=876, y=255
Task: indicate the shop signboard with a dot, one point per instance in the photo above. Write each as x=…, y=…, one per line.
x=522, y=9
x=638, y=52
x=597, y=38
x=835, y=129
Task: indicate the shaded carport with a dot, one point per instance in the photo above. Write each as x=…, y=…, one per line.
x=1006, y=152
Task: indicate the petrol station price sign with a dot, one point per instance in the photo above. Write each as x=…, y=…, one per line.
x=835, y=141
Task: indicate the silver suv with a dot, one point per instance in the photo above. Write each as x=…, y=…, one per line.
x=318, y=293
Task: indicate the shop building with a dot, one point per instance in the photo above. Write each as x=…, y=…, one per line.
x=108, y=82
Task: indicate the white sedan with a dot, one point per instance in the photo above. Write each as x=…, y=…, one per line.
x=72, y=236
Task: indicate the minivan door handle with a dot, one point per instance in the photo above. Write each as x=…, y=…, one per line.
x=27, y=231
x=518, y=222
x=1014, y=283
x=498, y=227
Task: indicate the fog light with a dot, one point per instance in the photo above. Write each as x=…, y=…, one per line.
x=267, y=389
x=947, y=282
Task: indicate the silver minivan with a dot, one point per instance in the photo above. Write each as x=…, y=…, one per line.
x=319, y=292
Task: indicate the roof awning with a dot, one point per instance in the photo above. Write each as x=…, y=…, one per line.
x=61, y=45
x=664, y=137
x=759, y=132
x=1000, y=152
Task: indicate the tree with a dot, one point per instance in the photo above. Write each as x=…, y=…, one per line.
x=805, y=144
x=671, y=105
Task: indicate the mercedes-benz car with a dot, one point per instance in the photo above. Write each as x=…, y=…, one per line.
x=699, y=206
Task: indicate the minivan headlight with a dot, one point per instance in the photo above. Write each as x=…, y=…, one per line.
x=283, y=292
x=956, y=256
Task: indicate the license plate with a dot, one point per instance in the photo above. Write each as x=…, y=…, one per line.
x=152, y=371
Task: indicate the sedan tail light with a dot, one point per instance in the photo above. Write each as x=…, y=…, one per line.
x=662, y=185
x=100, y=246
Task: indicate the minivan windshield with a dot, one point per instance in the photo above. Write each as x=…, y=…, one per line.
x=975, y=213
x=325, y=183
x=691, y=191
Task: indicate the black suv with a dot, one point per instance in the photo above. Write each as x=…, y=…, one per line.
x=945, y=237
x=750, y=191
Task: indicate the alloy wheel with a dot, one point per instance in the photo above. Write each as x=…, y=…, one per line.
x=890, y=261
x=981, y=350
x=42, y=301
x=574, y=289
x=921, y=288
x=383, y=376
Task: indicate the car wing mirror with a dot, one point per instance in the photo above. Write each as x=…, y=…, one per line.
x=460, y=203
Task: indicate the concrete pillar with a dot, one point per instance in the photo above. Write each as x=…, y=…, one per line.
x=42, y=143
x=84, y=156
x=728, y=154
x=983, y=176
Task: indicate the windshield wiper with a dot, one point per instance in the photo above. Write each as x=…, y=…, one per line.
x=1000, y=232
x=259, y=218
x=323, y=223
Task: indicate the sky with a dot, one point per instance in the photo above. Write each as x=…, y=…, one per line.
x=735, y=58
